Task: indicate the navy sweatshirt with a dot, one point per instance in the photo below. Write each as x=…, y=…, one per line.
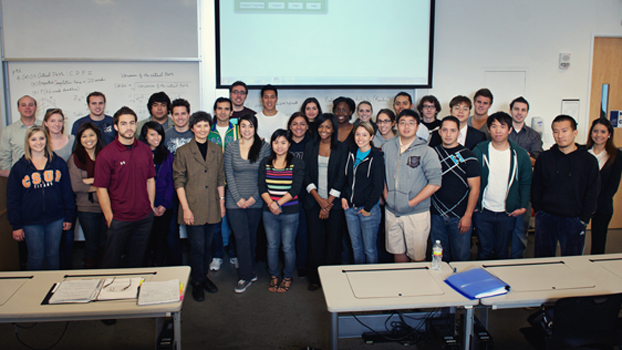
x=39, y=197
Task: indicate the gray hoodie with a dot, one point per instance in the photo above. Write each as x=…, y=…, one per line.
x=408, y=173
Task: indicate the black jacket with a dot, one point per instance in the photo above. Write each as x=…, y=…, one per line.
x=566, y=185
x=473, y=137
x=336, y=174
x=365, y=183
x=609, y=183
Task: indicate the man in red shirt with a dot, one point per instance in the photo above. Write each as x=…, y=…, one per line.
x=125, y=182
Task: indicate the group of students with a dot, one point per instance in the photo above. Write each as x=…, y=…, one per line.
x=309, y=182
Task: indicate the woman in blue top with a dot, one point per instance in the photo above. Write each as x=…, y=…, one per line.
x=280, y=180
x=153, y=135
x=361, y=196
x=40, y=202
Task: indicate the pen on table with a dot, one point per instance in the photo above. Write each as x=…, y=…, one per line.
x=452, y=268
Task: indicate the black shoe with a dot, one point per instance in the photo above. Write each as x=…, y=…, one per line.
x=313, y=287
x=197, y=292
x=302, y=273
x=209, y=286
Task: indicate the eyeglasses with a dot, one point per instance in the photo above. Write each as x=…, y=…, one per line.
x=403, y=123
x=388, y=121
x=238, y=92
x=118, y=287
x=429, y=107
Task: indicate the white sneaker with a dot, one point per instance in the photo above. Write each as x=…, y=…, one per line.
x=215, y=264
x=234, y=261
x=242, y=285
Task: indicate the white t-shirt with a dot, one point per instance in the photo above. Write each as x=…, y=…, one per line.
x=498, y=177
x=222, y=131
x=267, y=125
x=462, y=136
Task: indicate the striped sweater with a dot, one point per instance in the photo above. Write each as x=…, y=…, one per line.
x=278, y=182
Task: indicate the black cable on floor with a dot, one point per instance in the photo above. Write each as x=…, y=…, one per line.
x=16, y=326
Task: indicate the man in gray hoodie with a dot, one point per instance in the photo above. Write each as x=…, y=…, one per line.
x=413, y=174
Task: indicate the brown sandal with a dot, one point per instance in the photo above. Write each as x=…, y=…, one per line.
x=274, y=284
x=285, y=284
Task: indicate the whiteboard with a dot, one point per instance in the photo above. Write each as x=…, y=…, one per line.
x=65, y=85
x=51, y=30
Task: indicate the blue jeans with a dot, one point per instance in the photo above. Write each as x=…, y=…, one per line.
x=519, y=235
x=281, y=229
x=44, y=241
x=94, y=229
x=200, y=238
x=456, y=245
x=569, y=231
x=363, y=234
x=222, y=238
x=494, y=231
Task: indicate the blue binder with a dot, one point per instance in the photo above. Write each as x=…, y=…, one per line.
x=477, y=283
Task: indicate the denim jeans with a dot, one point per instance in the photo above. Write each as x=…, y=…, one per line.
x=519, y=235
x=94, y=229
x=550, y=229
x=200, y=238
x=222, y=237
x=44, y=241
x=456, y=245
x=494, y=231
x=363, y=232
x=243, y=223
x=281, y=229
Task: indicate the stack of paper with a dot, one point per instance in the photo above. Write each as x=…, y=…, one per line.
x=153, y=293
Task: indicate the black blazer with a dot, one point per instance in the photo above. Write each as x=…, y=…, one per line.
x=473, y=137
x=609, y=183
x=336, y=171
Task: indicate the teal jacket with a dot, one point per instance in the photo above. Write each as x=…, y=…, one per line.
x=519, y=182
x=231, y=135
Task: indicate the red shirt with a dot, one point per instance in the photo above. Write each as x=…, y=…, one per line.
x=124, y=172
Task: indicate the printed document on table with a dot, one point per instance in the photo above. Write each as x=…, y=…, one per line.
x=77, y=291
x=152, y=293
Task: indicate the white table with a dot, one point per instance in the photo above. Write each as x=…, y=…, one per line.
x=544, y=280
x=21, y=294
x=380, y=287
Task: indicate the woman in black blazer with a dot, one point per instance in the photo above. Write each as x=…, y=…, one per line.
x=325, y=159
x=600, y=144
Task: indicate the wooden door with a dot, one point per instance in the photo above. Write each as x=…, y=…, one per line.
x=607, y=69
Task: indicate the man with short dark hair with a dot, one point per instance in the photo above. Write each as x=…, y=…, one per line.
x=179, y=134
x=159, y=106
x=125, y=182
x=460, y=107
x=413, y=174
x=482, y=102
x=530, y=140
x=453, y=204
x=403, y=101
x=429, y=108
x=238, y=92
x=505, y=182
x=14, y=135
x=96, y=101
x=269, y=119
x=566, y=182
x=222, y=133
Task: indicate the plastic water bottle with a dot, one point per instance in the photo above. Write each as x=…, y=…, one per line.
x=437, y=255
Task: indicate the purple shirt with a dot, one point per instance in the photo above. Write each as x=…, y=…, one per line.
x=124, y=172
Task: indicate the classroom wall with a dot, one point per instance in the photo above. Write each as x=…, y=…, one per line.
x=511, y=46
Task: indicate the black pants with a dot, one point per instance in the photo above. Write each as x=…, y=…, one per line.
x=324, y=239
x=600, y=224
x=158, y=248
x=127, y=236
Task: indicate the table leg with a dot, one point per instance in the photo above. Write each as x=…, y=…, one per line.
x=469, y=320
x=159, y=324
x=483, y=317
x=334, y=331
x=177, y=329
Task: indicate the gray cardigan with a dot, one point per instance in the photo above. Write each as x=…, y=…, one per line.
x=242, y=176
